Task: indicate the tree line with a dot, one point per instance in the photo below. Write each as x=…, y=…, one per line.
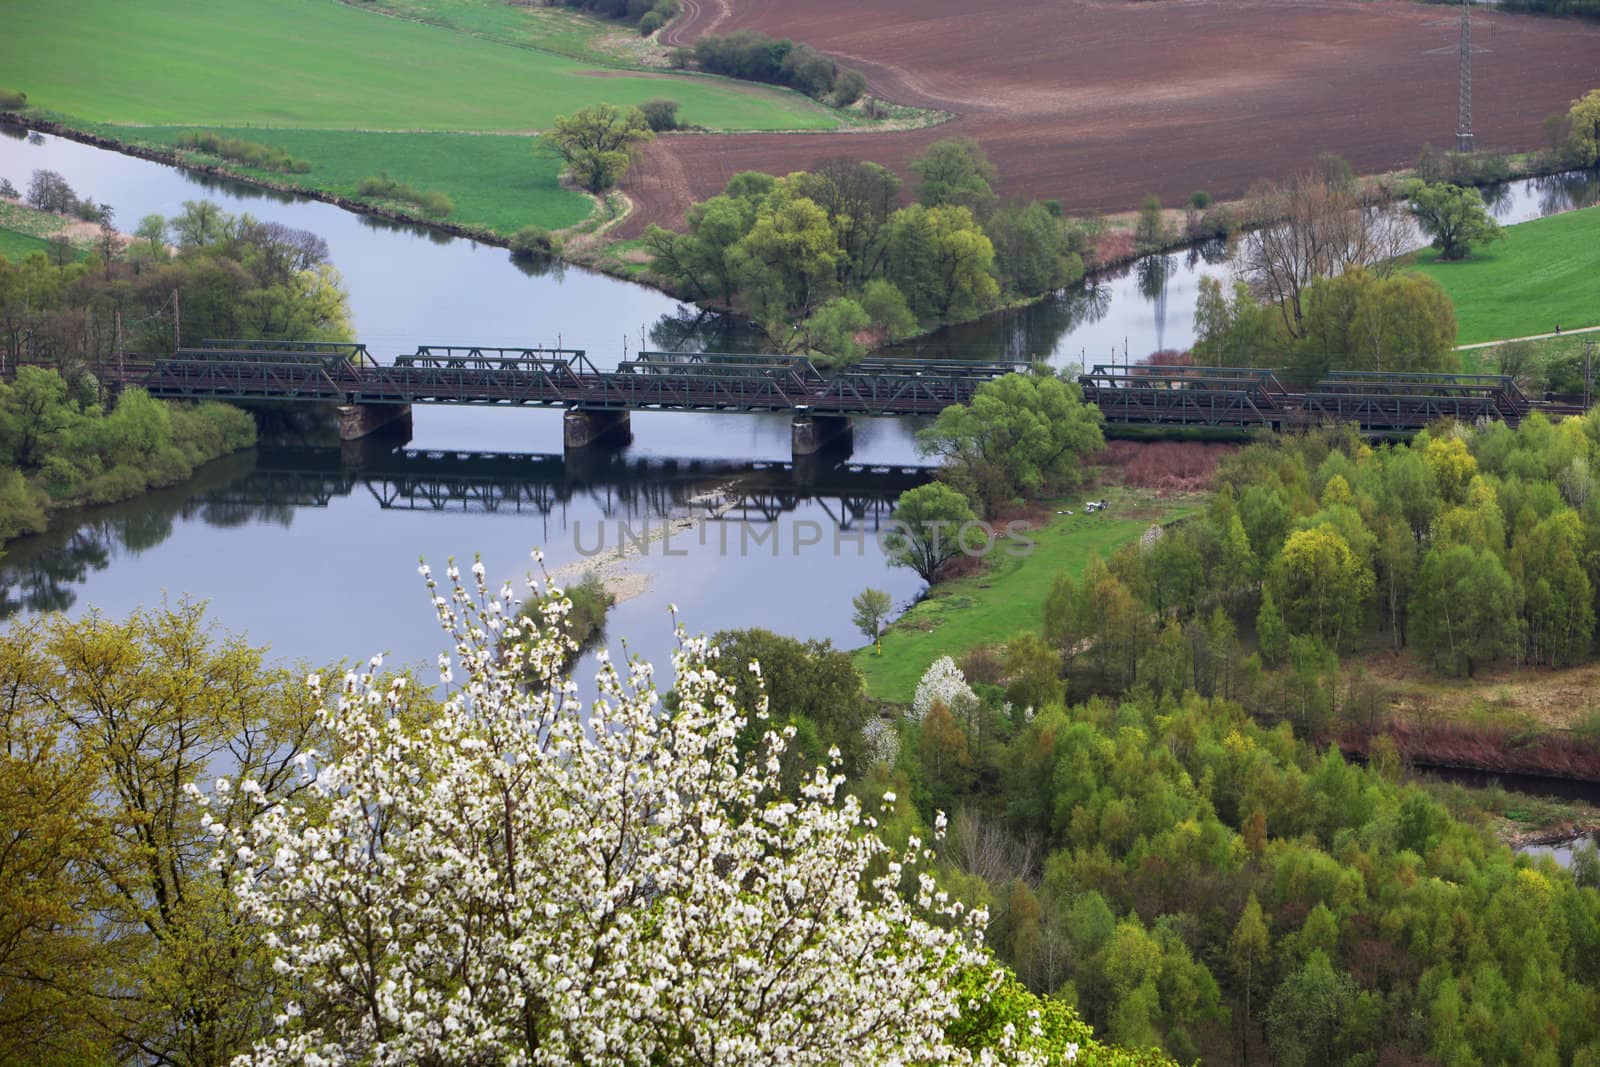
x=755, y=56
x=828, y=260
x=62, y=442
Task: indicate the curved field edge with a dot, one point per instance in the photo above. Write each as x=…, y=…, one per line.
x=323, y=64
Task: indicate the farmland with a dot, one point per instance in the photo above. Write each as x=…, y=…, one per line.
x=320, y=64
x=1097, y=104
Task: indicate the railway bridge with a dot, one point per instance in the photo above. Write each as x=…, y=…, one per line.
x=371, y=394
x=598, y=403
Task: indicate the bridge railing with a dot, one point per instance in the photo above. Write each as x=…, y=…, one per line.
x=483, y=358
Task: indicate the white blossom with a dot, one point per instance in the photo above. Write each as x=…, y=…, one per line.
x=943, y=683
x=522, y=879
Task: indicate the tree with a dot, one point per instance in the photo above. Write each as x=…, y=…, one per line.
x=597, y=143
x=1465, y=609
x=955, y=173
x=927, y=527
x=153, y=232
x=942, y=261
x=1305, y=1017
x=1249, y=951
x=527, y=877
x=1358, y=321
x=1583, y=124
x=785, y=266
x=660, y=114
x=1271, y=632
x=201, y=223
x=833, y=327
x=147, y=956
x=1319, y=230
x=886, y=309
x=49, y=191
x=807, y=684
x=1151, y=231
x=1453, y=217
x=871, y=606
x=1022, y=434
x=1032, y=249
x=1320, y=585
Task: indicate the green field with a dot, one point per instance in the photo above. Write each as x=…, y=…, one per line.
x=498, y=182
x=549, y=29
x=1008, y=597
x=18, y=246
x=322, y=64
x=1545, y=273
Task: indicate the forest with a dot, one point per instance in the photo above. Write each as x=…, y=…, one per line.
x=824, y=260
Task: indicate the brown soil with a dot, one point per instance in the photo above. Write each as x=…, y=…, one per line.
x=1099, y=102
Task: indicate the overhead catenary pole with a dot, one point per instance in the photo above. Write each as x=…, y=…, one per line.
x=1464, y=91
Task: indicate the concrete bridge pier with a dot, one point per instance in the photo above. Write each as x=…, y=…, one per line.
x=811, y=434
x=362, y=420
x=585, y=427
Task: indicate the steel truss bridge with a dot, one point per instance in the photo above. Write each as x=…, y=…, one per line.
x=1251, y=397
x=1140, y=394
x=855, y=496
x=555, y=377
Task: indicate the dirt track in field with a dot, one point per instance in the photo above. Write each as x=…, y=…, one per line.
x=1100, y=102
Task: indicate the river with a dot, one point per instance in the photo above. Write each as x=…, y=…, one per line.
x=317, y=559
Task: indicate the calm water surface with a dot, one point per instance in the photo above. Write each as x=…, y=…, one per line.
x=318, y=559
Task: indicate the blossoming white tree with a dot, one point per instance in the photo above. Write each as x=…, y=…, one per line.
x=523, y=879
x=943, y=683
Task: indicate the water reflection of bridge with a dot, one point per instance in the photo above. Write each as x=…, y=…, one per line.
x=614, y=485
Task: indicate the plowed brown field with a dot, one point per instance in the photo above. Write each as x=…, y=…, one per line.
x=1099, y=103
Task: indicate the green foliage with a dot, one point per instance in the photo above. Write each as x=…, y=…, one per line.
x=1465, y=608
x=1360, y=321
x=809, y=685
x=433, y=203
x=1454, y=217
x=833, y=328
x=1233, y=330
x=1206, y=880
x=871, y=607
x=116, y=932
x=1583, y=124
x=928, y=529
x=887, y=310
x=1150, y=233
x=754, y=56
x=1022, y=435
x=955, y=173
x=534, y=241
x=587, y=605
x=597, y=143
x=13, y=99
x=660, y=113
x=1033, y=249
x=239, y=150
x=942, y=261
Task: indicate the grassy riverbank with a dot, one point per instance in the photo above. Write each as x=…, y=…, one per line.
x=1541, y=276
x=496, y=182
x=24, y=231
x=1007, y=597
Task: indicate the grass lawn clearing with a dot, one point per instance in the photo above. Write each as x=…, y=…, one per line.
x=322, y=64
x=1008, y=597
x=19, y=246
x=1544, y=274
x=496, y=181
